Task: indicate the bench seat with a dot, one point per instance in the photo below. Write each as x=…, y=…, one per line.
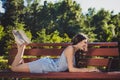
x=64, y=75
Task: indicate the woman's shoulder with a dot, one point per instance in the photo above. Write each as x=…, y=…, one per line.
x=69, y=48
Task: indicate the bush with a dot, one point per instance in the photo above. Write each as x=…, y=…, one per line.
x=3, y=63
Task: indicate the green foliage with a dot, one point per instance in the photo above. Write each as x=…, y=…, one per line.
x=115, y=22
x=101, y=22
x=2, y=33
x=42, y=37
x=3, y=63
x=13, y=12
x=69, y=16
x=55, y=37
x=63, y=16
x=51, y=38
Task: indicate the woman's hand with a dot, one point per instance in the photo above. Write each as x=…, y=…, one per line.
x=93, y=69
x=85, y=48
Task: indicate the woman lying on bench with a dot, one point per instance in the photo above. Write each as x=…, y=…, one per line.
x=43, y=65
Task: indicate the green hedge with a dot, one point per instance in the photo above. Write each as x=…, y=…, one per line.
x=3, y=63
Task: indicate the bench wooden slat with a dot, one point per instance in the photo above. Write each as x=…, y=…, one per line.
x=39, y=52
x=44, y=52
x=103, y=52
x=103, y=44
x=45, y=44
x=49, y=44
x=98, y=62
x=66, y=44
x=65, y=75
x=57, y=52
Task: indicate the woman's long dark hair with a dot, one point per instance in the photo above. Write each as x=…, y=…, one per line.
x=78, y=38
x=79, y=56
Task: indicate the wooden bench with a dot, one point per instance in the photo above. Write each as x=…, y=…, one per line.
x=104, y=55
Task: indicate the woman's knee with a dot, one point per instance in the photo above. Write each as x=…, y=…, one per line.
x=13, y=68
x=20, y=68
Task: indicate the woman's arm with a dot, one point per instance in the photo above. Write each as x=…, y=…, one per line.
x=69, y=53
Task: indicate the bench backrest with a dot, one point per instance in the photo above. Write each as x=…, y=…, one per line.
x=100, y=54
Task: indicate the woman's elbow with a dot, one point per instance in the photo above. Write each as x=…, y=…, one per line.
x=12, y=69
x=71, y=70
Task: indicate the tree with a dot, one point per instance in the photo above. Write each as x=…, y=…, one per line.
x=102, y=29
x=116, y=23
x=87, y=27
x=64, y=16
x=32, y=17
x=69, y=17
x=14, y=10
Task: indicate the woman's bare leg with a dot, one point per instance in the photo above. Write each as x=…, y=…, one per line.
x=18, y=65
